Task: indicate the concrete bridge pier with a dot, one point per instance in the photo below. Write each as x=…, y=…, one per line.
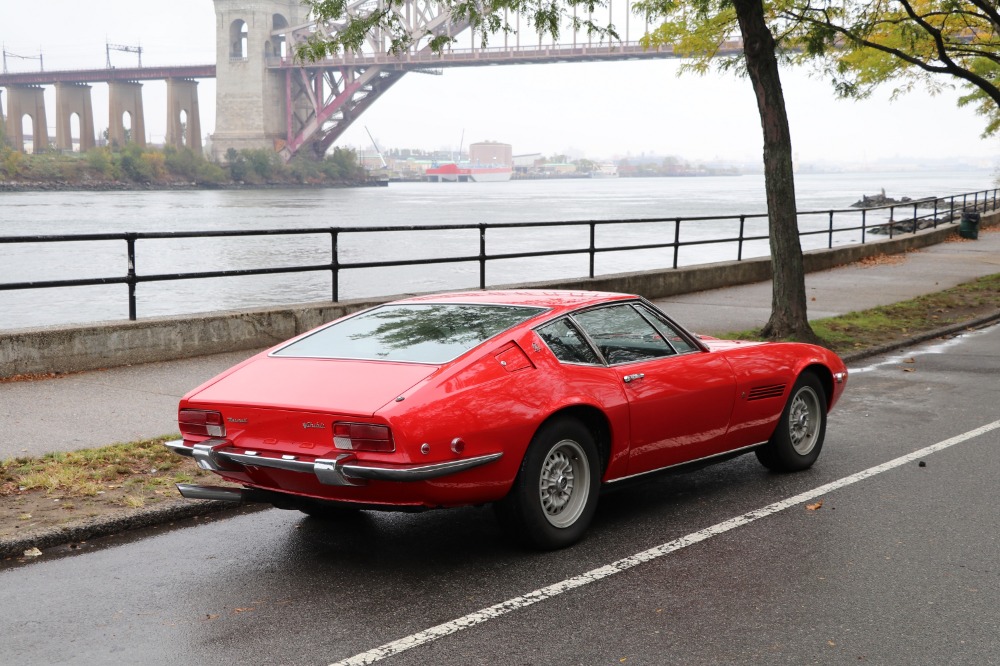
x=74, y=98
x=125, y=97
x=3, y=123
x=182, y=97
x=27, y=101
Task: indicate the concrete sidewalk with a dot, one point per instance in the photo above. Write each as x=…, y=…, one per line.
x=124, y=404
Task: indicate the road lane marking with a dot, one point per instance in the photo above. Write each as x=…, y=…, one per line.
x=594, y=575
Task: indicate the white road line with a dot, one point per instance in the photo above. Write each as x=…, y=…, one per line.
x=525, y=600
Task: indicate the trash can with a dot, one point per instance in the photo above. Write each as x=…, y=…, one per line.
x=969, y=226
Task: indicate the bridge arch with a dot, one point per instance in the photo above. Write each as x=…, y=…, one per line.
x=238, y=39
x=276, y=46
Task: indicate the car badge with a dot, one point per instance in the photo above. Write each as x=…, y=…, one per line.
x=230, y=419
x=310, y=424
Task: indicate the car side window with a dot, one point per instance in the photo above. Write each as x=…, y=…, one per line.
x=673, y=336
x=622, y=334
x=567, y=344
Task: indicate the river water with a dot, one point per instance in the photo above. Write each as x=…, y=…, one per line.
x=401, y=204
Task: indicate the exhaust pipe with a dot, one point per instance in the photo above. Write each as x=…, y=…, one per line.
x=222, y=493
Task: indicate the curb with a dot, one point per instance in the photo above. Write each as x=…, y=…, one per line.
x=181, y=509
x=109, y=525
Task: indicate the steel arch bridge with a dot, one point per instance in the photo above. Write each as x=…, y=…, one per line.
x=324, y=97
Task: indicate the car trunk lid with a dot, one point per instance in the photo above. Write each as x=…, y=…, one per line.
x=338, y=386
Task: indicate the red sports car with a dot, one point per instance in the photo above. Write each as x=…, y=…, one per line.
x=532, y=400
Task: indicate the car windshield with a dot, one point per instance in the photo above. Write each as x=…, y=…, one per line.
x=425, y=333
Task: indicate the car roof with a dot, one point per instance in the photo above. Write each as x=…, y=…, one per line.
x=554, y=299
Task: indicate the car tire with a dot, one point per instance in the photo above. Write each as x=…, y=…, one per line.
x=798, y=438
x=554, y=496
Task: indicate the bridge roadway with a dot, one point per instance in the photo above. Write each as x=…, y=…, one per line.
x=92, y=409
x=471, y=57
x=106, y=74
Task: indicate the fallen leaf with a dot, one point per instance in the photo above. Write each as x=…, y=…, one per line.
x=211, y=616
x=242, y=610
x=908, y=370
x=32, y=552
x=908, y=360
x=814, y=507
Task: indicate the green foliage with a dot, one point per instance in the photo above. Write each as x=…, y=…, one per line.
x=343, y=165
x=100, y=163
x=906, y=43
x=152, y=166
x=11, y=162
x=131, y=165
x=191, y=166
x=545, y=17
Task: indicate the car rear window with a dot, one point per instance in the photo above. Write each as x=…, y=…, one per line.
x=424, y=333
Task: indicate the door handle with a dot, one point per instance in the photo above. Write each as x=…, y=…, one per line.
x=628, y=379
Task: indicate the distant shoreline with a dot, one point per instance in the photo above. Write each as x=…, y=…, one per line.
x=119, y=186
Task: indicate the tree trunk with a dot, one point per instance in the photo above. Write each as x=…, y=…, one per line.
x=788, y=298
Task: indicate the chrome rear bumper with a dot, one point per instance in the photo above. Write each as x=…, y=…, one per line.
x=344, y=470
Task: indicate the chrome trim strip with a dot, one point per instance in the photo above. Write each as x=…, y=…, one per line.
x=207, y=457
x=191, y=491
x=179, y=447
x=688, y=462
x=418, y=472
x=260, y=461
x=342, y=471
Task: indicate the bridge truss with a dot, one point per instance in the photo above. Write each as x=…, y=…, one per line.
x=324, y=97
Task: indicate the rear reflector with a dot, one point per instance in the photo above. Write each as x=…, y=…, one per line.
x=201, y=422
x=362, y=437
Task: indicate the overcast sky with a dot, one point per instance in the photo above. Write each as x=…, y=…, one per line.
x=599, y=110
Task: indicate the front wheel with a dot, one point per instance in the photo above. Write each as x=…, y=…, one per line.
x=555, y=493
x=798, y=439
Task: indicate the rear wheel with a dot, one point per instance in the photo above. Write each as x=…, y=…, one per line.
x=555, y=493
x=798, y=439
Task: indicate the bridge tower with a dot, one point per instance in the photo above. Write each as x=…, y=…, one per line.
x=27, y=101
x=182, y=97
x=125, y=97
x=74, y=98
x=250, y=98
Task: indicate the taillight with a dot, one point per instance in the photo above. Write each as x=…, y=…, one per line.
x=362, y=437
x=202, y=423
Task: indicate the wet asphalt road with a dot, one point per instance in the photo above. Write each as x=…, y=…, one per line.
x=899, y=568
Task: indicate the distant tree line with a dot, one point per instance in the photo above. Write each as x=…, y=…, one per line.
x=133, y=164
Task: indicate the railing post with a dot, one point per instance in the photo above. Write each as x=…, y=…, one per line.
x=864, y=222
x=130, y=242
x=739, y=246
x=935, y=213
x=677, y=239
x=914, y=218
x=482, y=255
x=829, y=235
x=593, y=248
x=335, y=264
x=892, y=220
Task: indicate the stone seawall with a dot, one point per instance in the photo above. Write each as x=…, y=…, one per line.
x=109, y=344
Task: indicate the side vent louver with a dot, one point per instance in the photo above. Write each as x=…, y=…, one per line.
x=763, y=392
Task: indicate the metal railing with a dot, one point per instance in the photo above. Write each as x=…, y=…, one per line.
x=926, y=213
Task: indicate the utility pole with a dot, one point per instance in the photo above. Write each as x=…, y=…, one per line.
x=125, y=49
